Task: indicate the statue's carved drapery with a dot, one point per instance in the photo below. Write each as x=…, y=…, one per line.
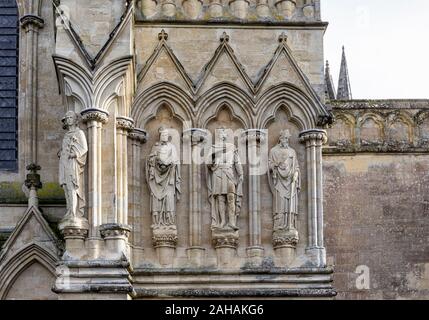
x=73, y=156
x=284, y=177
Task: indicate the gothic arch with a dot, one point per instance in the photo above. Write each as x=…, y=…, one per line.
x=148, y=102
x=225, y=94
x=349, y=120
x=302, y=109
x=20, y=261
x=405, y=119
x=378, y=120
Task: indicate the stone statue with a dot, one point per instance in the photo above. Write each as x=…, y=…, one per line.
x=163, y=178
x=225, y=180
x=285, y=182
x=72, y=163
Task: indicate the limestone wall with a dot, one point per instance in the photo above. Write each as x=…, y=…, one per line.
x=376, y=207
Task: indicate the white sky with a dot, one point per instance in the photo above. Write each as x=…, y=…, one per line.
x=387, y=46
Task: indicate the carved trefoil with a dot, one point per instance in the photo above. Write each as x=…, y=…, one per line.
x=164, y=180
x=285, y=183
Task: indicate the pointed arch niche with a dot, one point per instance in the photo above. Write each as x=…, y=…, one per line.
x=282, y=120
x=163, y=115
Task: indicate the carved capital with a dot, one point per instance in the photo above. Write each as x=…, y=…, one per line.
x=314, y=136
x=76, y=227
x=32, y=20
x=285, y=238
x=74, y=233
x=97, y=115
x=165, y=240
x=113, y=230
x=225, y=239
x=124, y=123
x=225, y=242
x=138, y=135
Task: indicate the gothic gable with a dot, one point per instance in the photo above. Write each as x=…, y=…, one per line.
x=32, y=229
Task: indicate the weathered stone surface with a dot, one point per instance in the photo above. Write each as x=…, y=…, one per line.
x=255, y=68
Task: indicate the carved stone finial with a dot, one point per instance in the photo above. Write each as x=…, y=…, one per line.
x=163, y=36
x=33, y=183
x=224, y=38
x=283, y=38
x=33, y=178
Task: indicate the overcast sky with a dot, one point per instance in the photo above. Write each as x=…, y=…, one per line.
x=387, y=46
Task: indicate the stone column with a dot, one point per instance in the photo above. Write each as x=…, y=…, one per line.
x=195, y=138
x=138, y=137
x=31, y=24
x=116, y=232
x=314, y=140
x=94, y=119
x=124, y=125
x=255, y=138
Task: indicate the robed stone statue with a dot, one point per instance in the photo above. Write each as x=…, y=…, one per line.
x=285, y=182
x=225, y=180
x=164, y=180
x=72, y=163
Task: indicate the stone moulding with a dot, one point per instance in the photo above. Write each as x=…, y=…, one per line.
x=412, y=115
x=304, y=283
x=243, y=11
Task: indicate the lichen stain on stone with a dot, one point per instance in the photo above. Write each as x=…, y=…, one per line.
x=12, y=193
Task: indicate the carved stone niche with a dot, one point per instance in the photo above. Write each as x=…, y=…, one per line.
x=225, y=189
x=164, y=181
x=285, y=182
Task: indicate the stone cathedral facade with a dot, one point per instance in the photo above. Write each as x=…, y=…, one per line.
x=180, y=149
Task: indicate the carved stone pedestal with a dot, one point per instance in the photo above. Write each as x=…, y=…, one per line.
x=93, y=280
x=116, y=236
x=165, y=241
x=255, y=256
x=196, y=256
x=225, y=243
x=284, y=243
x=75, y=231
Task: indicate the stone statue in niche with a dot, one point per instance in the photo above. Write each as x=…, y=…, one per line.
x=72, y=163
x=225, y=189
x=164, y=180
x=285, y=183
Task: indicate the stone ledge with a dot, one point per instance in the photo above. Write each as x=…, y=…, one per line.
x=214, y=293
x=250, y=271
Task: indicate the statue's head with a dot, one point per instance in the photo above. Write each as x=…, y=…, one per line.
x=70, y=119
x=284, y=137
x=164, y=135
